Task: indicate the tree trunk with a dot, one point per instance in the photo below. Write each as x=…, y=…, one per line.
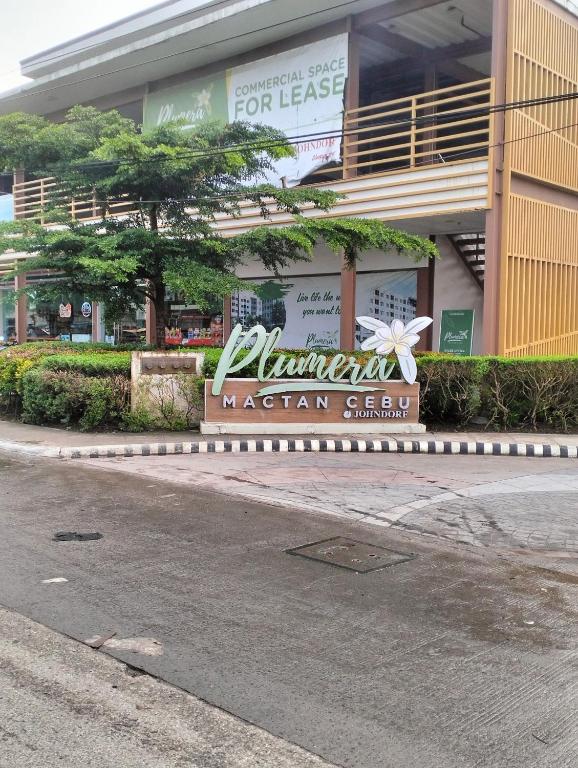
x=160, y=312
x=159, y=289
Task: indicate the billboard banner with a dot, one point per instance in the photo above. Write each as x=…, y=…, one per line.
x=194, y=103
x=307, y=309
x=300, y=92
x=385, y=296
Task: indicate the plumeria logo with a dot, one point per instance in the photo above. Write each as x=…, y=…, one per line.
x=398, y=338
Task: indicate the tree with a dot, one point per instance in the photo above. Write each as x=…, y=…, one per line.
x=174, y=183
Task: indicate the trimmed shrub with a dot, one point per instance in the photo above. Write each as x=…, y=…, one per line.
x=71, y=398
x=532, y=392
x=104, y=364
x=451, y=387
x=509, y=392
x=89, y=385
x=90, y=359
x=11, y=372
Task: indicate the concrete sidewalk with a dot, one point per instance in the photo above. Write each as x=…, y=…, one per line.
x=68, y=443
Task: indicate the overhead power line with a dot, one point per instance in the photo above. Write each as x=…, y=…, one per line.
x=450, y=155
x=436, y=120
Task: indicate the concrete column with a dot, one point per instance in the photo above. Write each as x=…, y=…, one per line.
x=227, y=318
x=351, y=97
x=494, y=216
x=347, y=319
x=21, y=310
x=96, y=322
x=425, y=302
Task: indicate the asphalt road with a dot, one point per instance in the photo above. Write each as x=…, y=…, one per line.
x=64, y=705
x=455, y=659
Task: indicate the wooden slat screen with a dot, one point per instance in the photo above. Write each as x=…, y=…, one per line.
x=539, y=255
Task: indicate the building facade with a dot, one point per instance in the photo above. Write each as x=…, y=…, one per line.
x=454, y=120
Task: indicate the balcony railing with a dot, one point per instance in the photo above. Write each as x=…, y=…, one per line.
x=442, y=126
x=37, y=199
x=446, y=125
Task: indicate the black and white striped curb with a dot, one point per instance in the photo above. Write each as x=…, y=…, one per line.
x=472, y=448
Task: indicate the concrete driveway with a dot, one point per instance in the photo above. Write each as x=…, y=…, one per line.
x=458, y=657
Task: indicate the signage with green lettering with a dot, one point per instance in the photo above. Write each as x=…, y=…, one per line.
x=299, y=92
x=193, y=103
x=342, y=373
x=457, y=331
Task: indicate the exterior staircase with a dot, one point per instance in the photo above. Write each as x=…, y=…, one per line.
x=472, y=250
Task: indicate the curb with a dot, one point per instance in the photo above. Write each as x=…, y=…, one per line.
x=446, y=447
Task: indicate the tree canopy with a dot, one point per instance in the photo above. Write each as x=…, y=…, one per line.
x=174, y=183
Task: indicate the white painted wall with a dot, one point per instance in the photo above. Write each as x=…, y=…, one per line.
x=455, y=288
x=325, y=261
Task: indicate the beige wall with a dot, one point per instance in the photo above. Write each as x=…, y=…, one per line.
x=455, y=288
x=325, y=261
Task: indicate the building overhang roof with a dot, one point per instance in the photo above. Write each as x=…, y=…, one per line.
x=167, y=39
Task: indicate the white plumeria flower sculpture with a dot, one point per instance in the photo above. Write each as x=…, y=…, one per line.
x=398, y=338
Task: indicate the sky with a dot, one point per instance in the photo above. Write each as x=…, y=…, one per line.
x=31, y=26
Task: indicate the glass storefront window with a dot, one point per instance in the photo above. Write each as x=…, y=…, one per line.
x=68, y=320
x=130, y=329
x=191, y=327
x=7, y=315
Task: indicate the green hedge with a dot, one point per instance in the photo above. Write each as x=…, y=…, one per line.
x=66, y=383
x=532, y=392
x=104, y=364
x=523, y=393
x=89, y=385
x=72, y=398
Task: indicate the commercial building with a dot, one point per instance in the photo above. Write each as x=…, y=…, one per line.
x=398, y=105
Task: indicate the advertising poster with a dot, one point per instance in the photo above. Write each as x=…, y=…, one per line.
x=387, y=296
x=299, y=92
x=307, y=309
x=457, y=331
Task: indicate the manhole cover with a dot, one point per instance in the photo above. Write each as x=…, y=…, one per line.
x=354, y=555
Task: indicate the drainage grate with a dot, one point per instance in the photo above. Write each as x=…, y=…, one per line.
x=353, y=555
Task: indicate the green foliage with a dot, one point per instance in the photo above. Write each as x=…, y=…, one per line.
x=43, y=147
x=71, y=398
x=92, y=359
x=33, y=350
x=89, y=385
x=190, y=278
x=527, y=393
x=451, y=387
x=12, y=371
x=177, y=182
x=91, y=364
x=138, y=420
x=533, y=392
